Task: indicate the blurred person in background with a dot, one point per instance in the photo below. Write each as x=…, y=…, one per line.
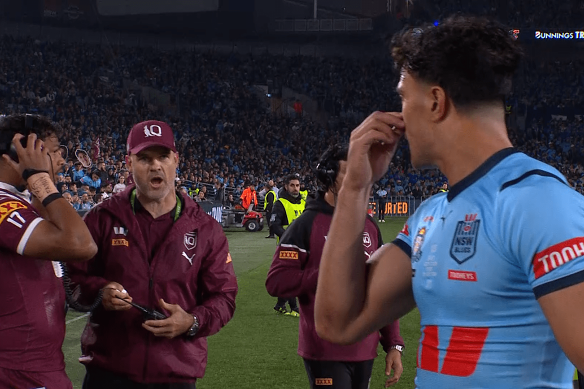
x=287, y=208
x=294, y=273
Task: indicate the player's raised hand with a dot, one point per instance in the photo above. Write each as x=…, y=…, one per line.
x=372, y=147
x=33, y=156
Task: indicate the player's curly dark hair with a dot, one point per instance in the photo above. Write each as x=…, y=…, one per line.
x=472, y=58
x=25, y=124
x=327, y=168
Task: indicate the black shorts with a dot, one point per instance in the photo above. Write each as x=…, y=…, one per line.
x=96, y=378
x=338, y=375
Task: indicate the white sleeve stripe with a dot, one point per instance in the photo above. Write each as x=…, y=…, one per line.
x=292, y=246
x=27, y=234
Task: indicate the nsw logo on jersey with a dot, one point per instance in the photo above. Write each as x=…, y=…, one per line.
x=464, y=242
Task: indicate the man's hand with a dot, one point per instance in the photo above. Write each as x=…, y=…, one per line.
x=32, y=157
x=112, y=293
x=393, y=362
x=372, y=147
x=176, y=324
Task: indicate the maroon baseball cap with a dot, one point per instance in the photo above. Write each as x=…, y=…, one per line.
x=148, y=134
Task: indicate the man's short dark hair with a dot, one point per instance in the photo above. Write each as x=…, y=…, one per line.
x=291, y=177
x=472, y=58
x=25, y=124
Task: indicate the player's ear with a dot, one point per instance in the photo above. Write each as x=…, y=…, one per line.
x=129, y=164
x=439, y=103
x=176, y=158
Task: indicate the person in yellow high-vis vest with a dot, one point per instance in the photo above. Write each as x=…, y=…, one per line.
x=287, y=208
x=303, y=191
x=269, y=200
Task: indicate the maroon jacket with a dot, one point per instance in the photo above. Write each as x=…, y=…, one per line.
x=294, y=273
x=115, y=340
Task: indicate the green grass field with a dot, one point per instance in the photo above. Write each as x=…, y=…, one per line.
x=257, y=349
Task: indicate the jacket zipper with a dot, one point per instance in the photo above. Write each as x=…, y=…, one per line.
x=150, y=291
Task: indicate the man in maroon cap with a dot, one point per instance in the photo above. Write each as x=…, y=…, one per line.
x=160, y=250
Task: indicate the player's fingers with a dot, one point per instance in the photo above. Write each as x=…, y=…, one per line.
x=39, y=145
x=157, y=331
x=389, y=130
x=364, y=140
x=381, y=120
x=16, y=142
x=390, y=118
x=159, y=323
x=169, y=307
x=397, y=371
x=391, y=381
x=9, y=160
x=125, y=307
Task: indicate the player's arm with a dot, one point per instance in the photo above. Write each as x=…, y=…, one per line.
x=64, y=236
x=288, y=275
x=389, y=338
x=548, y=243
x=351, y=303
x=278, y=214
x=563, y=310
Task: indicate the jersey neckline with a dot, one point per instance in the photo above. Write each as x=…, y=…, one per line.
x=25, y=195
x=479, y=172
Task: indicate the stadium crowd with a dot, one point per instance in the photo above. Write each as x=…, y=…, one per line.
x=226, y=133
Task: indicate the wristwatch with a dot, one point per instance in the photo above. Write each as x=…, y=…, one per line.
x=398, y=348
x=194, y=328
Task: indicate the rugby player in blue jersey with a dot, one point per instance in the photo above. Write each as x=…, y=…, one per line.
x=495, y=265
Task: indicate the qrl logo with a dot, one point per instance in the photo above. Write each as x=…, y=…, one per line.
x=190, y=240
x=154, y=130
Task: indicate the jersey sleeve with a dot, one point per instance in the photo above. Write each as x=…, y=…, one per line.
x=18, y=219
x=405, y=239
x=289, y=275
x=543, y=232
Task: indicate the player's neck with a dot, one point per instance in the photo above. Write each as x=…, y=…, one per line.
x=475, y=141
x=10, y=177
x=329, y=197
x=157, y=208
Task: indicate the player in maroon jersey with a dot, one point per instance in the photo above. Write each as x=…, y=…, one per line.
x=36, y=226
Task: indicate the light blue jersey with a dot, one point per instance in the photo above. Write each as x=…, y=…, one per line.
x=482, y=254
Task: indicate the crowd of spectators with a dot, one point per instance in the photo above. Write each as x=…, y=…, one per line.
x=225, y=131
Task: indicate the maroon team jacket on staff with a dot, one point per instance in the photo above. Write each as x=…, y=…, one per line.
x=205, y=287
x=294, y=273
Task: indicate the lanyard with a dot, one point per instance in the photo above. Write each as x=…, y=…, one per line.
x=176, y=212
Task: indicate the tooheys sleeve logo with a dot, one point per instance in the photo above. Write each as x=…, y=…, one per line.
x=555, y=256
